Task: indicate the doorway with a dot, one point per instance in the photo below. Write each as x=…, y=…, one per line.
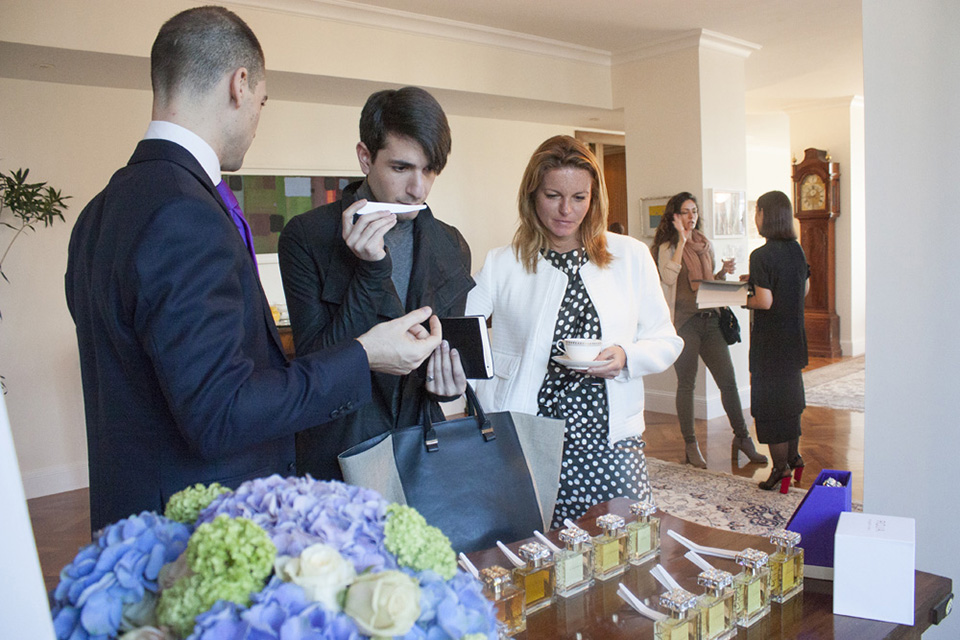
x=611, y=153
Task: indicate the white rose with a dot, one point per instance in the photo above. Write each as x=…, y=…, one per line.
x=384, y=604
x=320, y=570
x=147, y=633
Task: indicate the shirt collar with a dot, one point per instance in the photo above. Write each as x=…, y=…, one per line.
x=197, y=146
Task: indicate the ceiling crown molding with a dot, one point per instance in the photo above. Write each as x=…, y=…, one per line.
x=695, y=39
x=371, y=16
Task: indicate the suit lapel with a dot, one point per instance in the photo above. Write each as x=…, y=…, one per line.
x=165, y=150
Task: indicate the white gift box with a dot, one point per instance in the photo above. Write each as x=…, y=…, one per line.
x=874, y=562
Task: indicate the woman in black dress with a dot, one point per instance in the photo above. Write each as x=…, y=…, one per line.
x=778, y=342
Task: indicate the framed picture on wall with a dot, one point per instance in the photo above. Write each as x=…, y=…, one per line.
x=270, y=201
x=651, y=210
x=729, y=212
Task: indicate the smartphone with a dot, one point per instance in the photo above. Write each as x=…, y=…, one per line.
x=468, y=335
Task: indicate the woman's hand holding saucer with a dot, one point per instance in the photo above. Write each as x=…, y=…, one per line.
x=610, y=362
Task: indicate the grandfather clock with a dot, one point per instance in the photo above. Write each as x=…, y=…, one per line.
x=816, y=202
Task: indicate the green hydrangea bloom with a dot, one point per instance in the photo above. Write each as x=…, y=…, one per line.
x=230, y=558
x=185, y=506
x=183, y=602
x=231, y=544
x=416, y=544
x=474, y=636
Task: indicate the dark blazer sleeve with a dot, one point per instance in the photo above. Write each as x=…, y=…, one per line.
x=198, y=312
x=332, y=296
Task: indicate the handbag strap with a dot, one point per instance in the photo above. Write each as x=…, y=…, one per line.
x=430, y=440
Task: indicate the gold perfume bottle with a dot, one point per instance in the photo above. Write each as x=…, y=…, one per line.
x=643, y=535
x=716, y=605
x=574, y=563
x=609, y=548
x=751, y=587
x=786, y=566
x=537, y=578
x=508, y=599
x=683, y=621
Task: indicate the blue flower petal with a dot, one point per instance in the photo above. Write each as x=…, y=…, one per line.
x=101, y=614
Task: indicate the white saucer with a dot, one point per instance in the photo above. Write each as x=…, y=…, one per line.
x=576, y=365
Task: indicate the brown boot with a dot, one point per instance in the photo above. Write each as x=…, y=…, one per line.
x=745, y=444
x=694, y=456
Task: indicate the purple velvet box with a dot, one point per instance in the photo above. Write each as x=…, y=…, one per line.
x=815, y=519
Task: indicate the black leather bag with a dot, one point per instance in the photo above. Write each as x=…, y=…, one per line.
x=729, y=325
x=481, y=478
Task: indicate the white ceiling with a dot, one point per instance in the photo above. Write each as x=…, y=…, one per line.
x=810, y=50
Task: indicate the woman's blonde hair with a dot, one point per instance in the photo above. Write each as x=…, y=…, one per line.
x=531, y=236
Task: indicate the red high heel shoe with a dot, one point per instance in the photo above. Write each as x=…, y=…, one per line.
x=777, y=475
x=797, y=465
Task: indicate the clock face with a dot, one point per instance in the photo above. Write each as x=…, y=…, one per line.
x=813, y=194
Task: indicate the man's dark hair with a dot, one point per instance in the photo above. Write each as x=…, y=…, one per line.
x=410, y=112
x=196, y=47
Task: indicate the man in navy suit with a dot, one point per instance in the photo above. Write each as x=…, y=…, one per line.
x=184, y=376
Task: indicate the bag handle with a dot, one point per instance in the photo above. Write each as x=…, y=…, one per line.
x=430, y=440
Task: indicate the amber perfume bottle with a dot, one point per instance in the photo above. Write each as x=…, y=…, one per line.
x=716, y=605
x=643, y=534
x=508, y=599
x=682, y=624
x=609, y=548
x=751, y=587
x=786, y=566
x=574, y=563
x=537, y=578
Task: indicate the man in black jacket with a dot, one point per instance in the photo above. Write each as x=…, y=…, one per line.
x=343, y=273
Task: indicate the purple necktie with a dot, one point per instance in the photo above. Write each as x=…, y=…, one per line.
x=237, y=214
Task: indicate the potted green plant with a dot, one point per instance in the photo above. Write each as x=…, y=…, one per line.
x=30, y=204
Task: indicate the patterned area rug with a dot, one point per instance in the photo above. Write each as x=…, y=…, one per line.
x=837, y=386
x=719, y=500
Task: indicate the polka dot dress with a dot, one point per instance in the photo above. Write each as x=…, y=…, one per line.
x=592, y=470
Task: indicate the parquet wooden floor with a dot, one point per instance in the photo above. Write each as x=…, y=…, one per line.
x=832, y=439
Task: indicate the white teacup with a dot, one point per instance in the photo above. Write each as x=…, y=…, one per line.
x=580, y=349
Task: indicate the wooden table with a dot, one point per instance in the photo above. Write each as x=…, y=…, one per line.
x=599, y=614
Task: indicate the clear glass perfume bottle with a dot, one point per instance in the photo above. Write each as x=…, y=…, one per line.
x=643, y=535
x=510, y=601
x=609, y=548
x=537, y=578
x=683, y=621
x=574, y=562
x=786, y=566
x=751, y=587
x=716, y=605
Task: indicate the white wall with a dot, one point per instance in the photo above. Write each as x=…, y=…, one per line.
x=912, y=434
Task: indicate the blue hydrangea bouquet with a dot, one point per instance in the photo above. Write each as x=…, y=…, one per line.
x=284, y=558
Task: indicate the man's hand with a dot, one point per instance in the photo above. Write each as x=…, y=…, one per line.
x=365, y=237
x=445, y=375
x=400, y=346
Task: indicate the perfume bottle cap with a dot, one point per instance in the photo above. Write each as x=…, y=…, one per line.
x=495, y=576
x=715, y=579
x=574, y=536
x=752, y=558
x=643, y=508
x=533, y=551
x=785, y=538
x=610, y=522
x=678, y=600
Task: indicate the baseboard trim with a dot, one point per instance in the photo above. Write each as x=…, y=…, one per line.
x=703, y=408
x=51, y=480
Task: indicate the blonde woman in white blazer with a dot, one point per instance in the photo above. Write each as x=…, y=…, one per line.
x=564, y=276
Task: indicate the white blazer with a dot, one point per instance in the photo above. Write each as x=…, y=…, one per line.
x=524, y=309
